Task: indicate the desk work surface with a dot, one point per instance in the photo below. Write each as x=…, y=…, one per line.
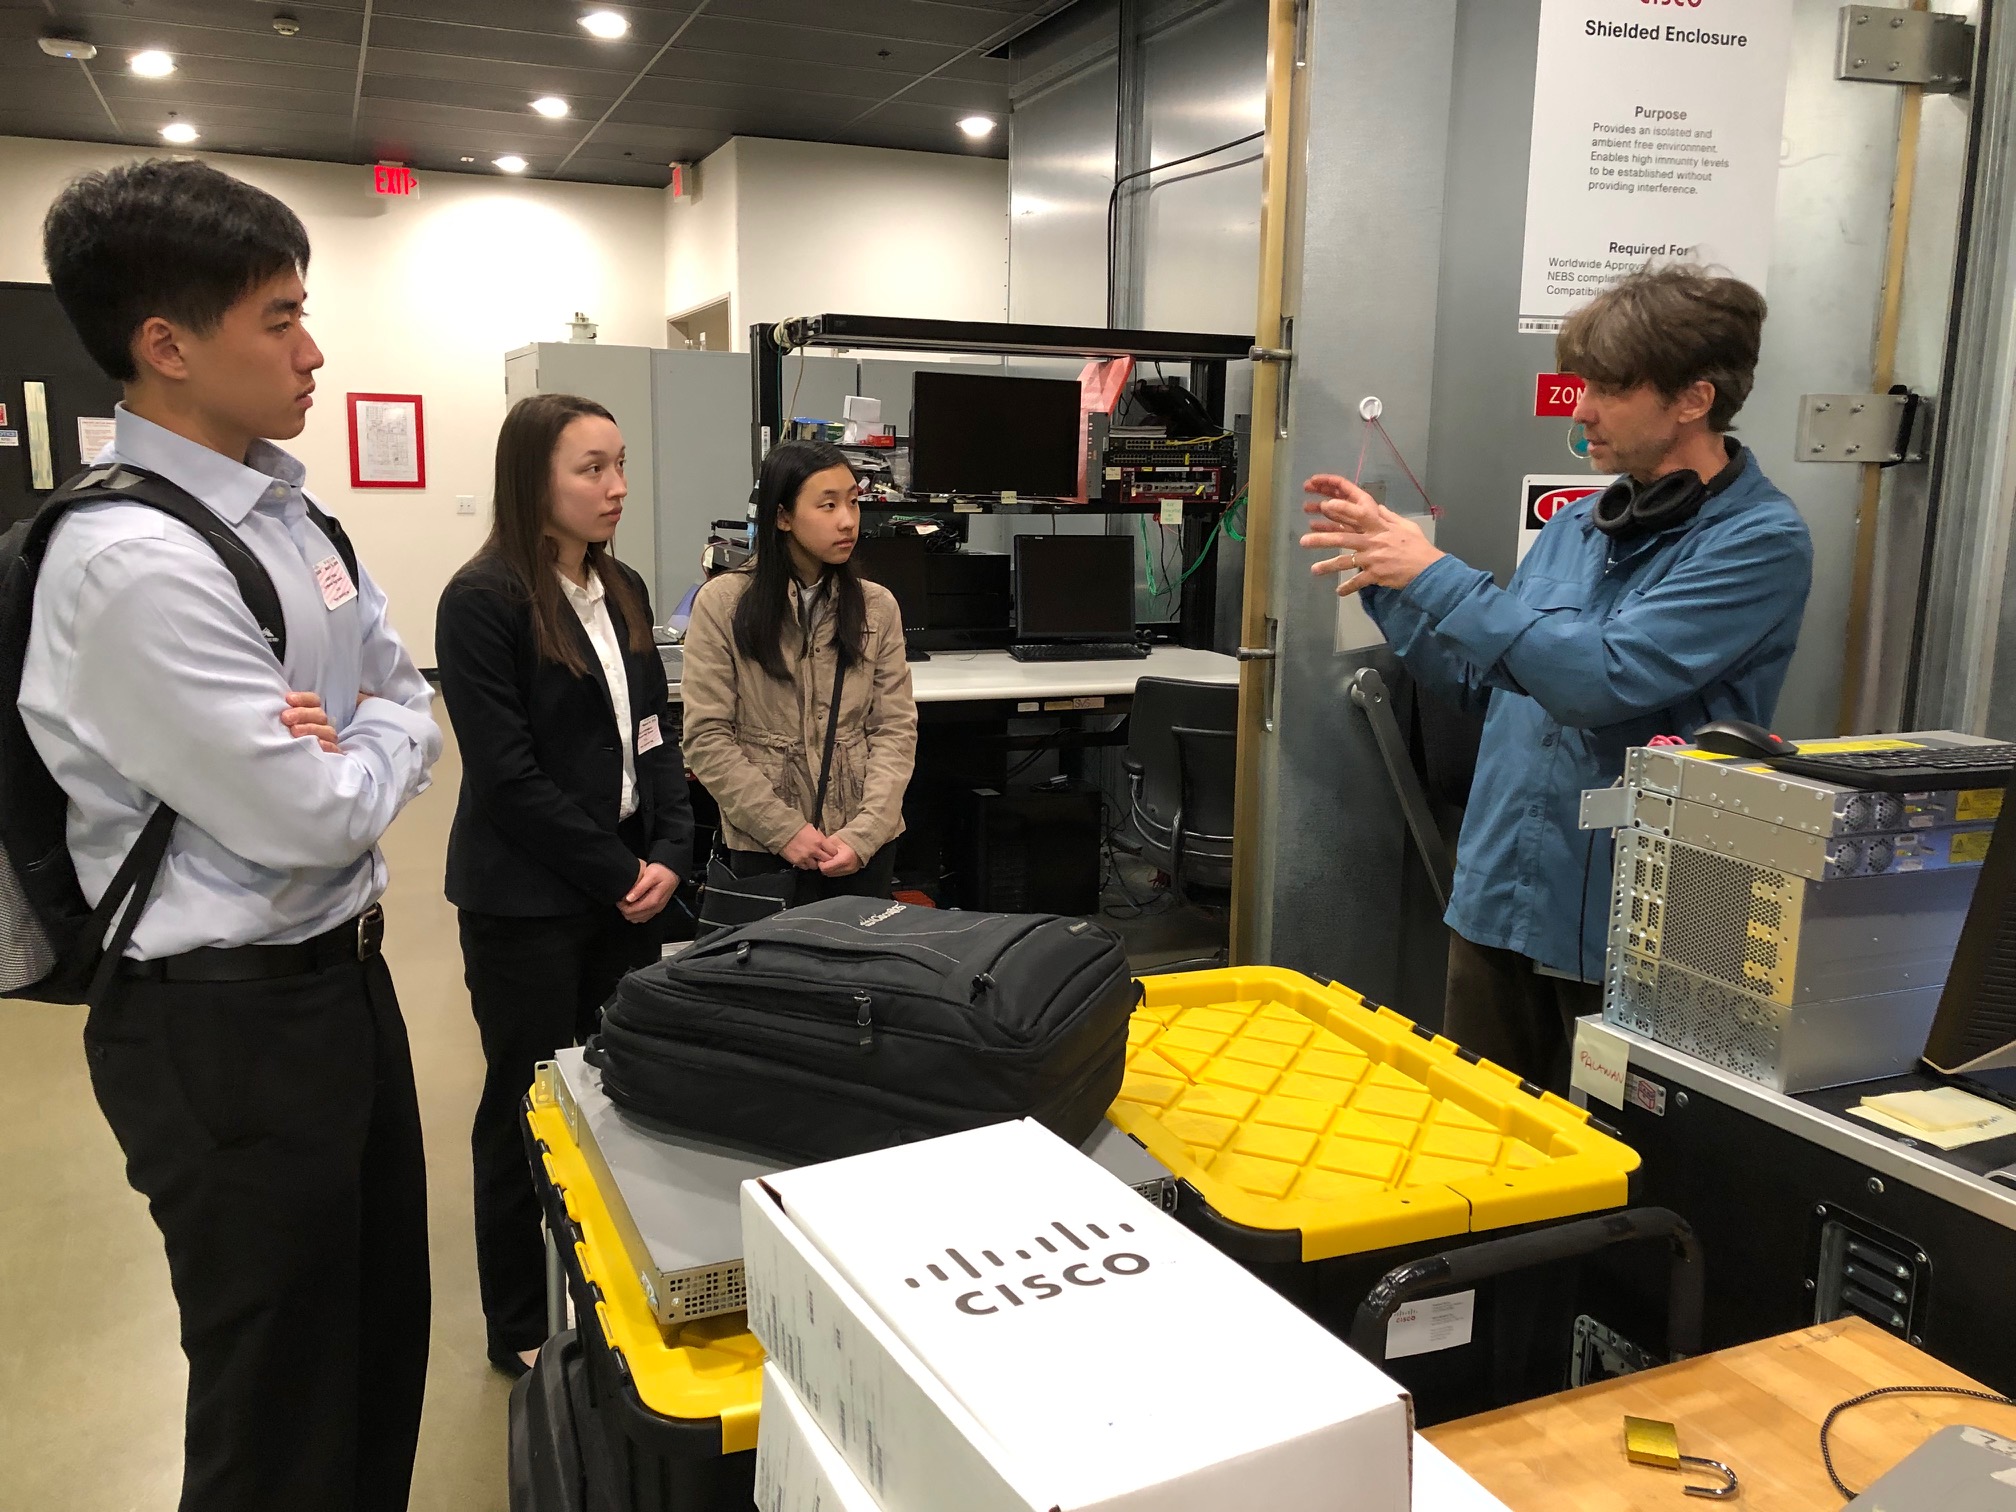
x=984, y=676
x=1757, y=1408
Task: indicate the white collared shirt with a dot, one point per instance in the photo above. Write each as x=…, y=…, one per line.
x=592, y=605
x=148, y=679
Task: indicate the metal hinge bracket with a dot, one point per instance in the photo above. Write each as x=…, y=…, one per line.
x=1882, y=428
x=1881, y=44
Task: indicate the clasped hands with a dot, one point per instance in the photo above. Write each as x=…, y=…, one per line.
x=809, y=850
x=1378, y=547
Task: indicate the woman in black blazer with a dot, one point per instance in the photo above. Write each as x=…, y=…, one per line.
x=573, y=826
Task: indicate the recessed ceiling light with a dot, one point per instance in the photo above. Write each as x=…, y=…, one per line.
x=468, y=160
x=152, y=64
x=68, y=47
x=605, y=24
x=977, y=126
x=550, y=106
x=179, y=132
x=511, y=163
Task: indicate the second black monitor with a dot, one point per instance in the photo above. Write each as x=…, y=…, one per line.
x=1074, y=587
x=975, y=433
x=898, y=564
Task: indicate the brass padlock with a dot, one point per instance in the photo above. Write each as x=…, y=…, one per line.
x=1647, y=1441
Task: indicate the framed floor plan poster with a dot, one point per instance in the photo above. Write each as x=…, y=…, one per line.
x=1656, y=134
x=388, y=444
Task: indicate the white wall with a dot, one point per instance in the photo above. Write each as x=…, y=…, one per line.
x=809, y=228
x=700, y=240
x=418, y=296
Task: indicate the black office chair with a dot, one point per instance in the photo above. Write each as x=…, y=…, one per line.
x=1155, y=767
x=1181, y=766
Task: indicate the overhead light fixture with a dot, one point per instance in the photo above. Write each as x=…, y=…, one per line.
x=73, y=48
x=511, y=163
x=181, y=133
x=468, y=160
x=605, y=24
x=977, y=126
x=152, y=64
x=550, y=106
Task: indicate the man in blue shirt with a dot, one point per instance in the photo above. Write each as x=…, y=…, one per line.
x=251, y=1058
x=1671, y=599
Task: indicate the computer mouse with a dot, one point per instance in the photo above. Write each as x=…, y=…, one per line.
x=1739, y=737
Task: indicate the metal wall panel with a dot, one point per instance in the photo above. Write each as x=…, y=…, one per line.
x=1343, y=897
x=700, y=405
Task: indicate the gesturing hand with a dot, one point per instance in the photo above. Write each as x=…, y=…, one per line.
x=1380, y=548
x=654, y=889
x=305, y=718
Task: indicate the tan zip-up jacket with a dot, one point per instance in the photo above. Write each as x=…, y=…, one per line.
x=755, y=742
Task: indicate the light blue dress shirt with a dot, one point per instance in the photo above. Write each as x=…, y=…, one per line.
x=148, y=678
x=1595, y=647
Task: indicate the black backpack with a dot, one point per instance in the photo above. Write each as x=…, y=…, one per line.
x=54, y=945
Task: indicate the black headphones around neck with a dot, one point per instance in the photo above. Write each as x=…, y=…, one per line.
x=1629, y=509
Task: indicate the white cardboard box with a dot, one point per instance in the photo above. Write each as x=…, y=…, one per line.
x=990, y=1321
x=799, y=1470
x=797, y=1467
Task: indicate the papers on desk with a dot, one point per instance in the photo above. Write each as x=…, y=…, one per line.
x=1944, y=1117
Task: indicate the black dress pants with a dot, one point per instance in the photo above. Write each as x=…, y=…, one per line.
x=272, y=1127
x=536, y=985
x=1501, y=1008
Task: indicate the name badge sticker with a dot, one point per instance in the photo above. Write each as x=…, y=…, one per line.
x=334, y=580
x=648, y=736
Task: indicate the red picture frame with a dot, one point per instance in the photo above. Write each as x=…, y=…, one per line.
x=383, y=457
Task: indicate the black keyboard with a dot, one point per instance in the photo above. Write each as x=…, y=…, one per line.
x=1911, y=770
x=1076, y=651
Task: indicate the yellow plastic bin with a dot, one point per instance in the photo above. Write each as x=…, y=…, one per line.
x=1321, y=1141
x=678, y=1414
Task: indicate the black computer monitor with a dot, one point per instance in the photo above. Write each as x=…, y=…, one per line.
x=1074, y=587
x=975, y=433
x=898, y=564
x=1974, y=1034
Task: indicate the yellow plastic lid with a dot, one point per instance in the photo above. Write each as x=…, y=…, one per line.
x=710, y=1369
x=1289, y=1105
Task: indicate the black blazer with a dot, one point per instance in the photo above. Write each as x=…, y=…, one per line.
x=536, y=828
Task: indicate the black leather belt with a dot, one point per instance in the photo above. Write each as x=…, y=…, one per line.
x=358, y=940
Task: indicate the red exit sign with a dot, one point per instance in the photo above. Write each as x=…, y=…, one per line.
x=393, y=178
x=1555, y=395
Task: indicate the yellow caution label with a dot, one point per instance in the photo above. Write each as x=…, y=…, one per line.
x=1821, y=748
x=1978, y=803
x=1971, y=848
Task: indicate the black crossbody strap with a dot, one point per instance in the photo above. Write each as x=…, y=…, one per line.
x=132, y=884
x=832, y=736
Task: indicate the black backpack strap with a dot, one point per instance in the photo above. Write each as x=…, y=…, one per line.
x=832, y=736
x=114, y=482
x=332, y=527
x=132, y=884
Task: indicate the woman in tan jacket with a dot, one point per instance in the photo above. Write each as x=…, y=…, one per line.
x=763, y=651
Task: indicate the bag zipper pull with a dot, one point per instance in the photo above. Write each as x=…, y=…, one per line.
x=742, y=954
x=862, y=1019
x=982, y=981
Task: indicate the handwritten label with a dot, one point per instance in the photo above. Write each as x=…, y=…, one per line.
x=648, y=736
x=1602, y=1059
x=333, y=578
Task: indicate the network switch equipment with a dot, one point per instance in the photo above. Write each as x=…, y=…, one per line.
x=1757, y=791
x=1819, y=857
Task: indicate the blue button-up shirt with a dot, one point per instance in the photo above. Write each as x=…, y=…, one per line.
x=147, y=678
x=1596, y=646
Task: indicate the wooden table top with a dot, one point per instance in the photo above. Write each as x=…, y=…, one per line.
x=1757, y=1408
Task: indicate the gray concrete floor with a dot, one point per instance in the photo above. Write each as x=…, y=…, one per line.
x=91, y=1376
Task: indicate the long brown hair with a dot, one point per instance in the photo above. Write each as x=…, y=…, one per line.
x=518, y=539
x=766, y=605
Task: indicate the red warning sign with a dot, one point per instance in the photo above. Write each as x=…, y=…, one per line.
x=1544, y=500
x=1555, y=395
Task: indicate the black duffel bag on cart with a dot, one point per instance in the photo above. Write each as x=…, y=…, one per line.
x=853, y=1024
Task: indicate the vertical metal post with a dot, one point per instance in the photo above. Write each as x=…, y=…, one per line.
x=1130, y=154
x=766, y=378
x=556, y=1288
x=1198, y=606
